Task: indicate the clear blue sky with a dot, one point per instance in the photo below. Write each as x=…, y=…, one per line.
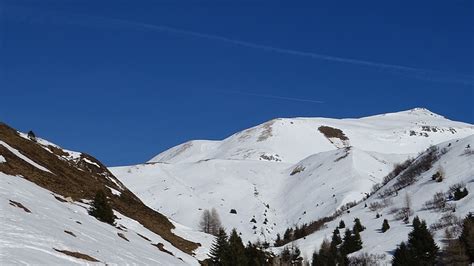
x=125, y=80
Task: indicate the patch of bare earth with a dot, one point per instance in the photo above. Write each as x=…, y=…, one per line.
x=267, y=131
x=69, y=233
x=79, y=181
x=331, y=132
x=123, y=237
x=161, y=247
x=19, y=205
x=77, y=255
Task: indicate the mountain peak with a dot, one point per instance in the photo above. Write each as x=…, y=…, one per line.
x=421, y=111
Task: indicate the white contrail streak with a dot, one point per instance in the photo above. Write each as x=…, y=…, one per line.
x=419, y=73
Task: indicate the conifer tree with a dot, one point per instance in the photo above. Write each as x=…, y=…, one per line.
x=402, y=256
x=219, y=249
x=342, y=224
x=385, y=226
x=467, y=236
x=236, y=249
x=421, y=243
x=101, y=209
x=358, y=226
x=336, y=237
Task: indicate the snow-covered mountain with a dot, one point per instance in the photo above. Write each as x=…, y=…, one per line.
x=262, y=181
x=45, y=194
x=288, y=172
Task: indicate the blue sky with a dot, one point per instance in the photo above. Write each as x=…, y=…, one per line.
x=125, y=80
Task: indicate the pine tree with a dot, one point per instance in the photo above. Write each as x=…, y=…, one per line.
x=402, y=256
x=101, y=209
x=357, y=241
x=421, y=243
x=385, y=226
x=32, y=136
x=342, y=224
x=236, y=249
x=467, y=236
x=219, y=250
x=358, y=226
x=336, y=237
x=352, y=242
x=278, y=240
x=325, y=256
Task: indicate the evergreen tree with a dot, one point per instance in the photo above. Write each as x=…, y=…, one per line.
x=278, y=240
x=385, y=226
x=467, y=236
x=342, y=224
x=352, y=242
x=101, y=209
x=460, y=193
x=32, y=136
x=236, y=249
x=325, y=257
x=255, y=256
x=421, y=243
x=336, y=237
x=358, y=226
x=357, y=241
x=402, y=256
x=219, y=249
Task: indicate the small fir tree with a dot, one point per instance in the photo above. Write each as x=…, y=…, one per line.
x=101, y=208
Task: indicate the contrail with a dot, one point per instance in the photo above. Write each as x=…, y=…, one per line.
x=272, y=96
x=418, y=73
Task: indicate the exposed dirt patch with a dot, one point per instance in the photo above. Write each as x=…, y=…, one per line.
x=267, y=131
x=298, y=169
x=331, y=132
x=77, y=255
x=81, y=181
x=69, y=233
x=144, y=237
x=123, y=237
x=161, y=247
x=19, y=205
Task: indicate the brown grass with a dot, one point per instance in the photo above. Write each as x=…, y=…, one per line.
x=69, y=233
x=81, y=181
x=19, y=205
x=330, y=132
x=161, y=247
x=77, y=255
x=121, y=235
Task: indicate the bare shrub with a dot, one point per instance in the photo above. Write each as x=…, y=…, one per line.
x=422, y=164
x=437, y=203
x=366, y=259
x=447, y=220
x=210, y=222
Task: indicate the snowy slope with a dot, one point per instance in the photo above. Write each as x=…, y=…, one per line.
x=292, y=140
x=458, y=166
x=285, y=172
x=31, y=237
x=45, y=193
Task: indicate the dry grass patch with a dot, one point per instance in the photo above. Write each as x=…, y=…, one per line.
x=77, y=255
x=19, y=205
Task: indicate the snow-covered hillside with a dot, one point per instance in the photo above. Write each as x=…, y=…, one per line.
x=36, y=227
x=285, y=172
x=457, y=164
x=45, y=195
x=293, y=139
